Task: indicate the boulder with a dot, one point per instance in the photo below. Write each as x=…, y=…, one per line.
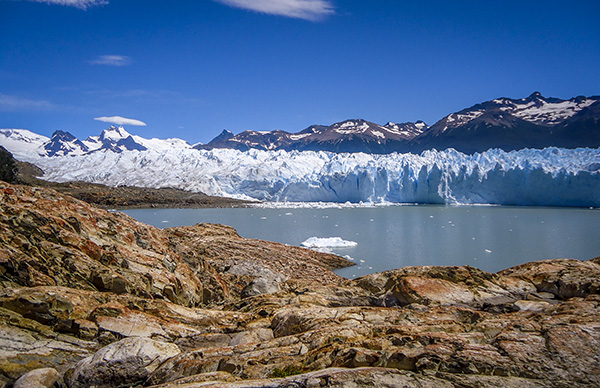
x=128, y=361
x=564, y=278
x=453, y=285
x=531, y=305
x=38, y=378
x=260, y=286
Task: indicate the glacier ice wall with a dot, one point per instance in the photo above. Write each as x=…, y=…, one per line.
x=551, y=177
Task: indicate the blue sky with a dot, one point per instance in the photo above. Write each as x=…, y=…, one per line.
x=190, y=69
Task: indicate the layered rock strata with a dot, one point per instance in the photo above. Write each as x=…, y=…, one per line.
x=93, y=298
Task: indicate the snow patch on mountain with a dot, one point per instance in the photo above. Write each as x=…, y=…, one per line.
x=541, y=110
x=457, y=119
x=547, y=112
x=22, y=141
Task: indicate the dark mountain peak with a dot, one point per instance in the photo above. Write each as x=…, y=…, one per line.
x=540, y=100
x=63, y=135
x=224, y=135
x=537, y=99
x=313, y=129
x=352, y=121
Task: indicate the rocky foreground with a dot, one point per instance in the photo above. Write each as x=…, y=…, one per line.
x=90, y=298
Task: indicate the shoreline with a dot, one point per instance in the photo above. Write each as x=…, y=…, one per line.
x=126, y=197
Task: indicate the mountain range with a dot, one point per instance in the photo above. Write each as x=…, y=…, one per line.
x=511, y=124
x=504, y=123
x=346, y=136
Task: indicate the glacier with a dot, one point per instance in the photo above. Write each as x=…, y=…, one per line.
x=546, y=177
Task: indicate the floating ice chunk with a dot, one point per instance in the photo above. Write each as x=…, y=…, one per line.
x=328, y=242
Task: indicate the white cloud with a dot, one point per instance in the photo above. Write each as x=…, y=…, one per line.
x=111, y=60
x=13, y=103
x=301, y=9
x=118, y=120
x=82, y=4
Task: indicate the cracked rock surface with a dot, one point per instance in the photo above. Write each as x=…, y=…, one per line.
x=94, y=298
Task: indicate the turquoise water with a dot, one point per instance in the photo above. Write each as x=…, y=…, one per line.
x=491, y=238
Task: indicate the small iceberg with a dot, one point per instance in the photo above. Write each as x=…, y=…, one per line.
x=328, y=242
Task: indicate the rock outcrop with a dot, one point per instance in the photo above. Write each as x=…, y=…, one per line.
x=126, y=362
x=94, y=298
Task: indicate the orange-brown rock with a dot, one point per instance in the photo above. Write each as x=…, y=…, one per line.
x=80, y=286
x=48, y=239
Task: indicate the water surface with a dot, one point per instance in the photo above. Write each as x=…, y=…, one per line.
x=488, y=237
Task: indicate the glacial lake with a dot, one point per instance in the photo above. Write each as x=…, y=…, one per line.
x=491, y=238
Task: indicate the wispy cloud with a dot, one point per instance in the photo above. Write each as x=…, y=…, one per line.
x=118, y=120
x=302, y=9
x=111, y=60
x=81, y=4
x=15, y=103
x=145, y=96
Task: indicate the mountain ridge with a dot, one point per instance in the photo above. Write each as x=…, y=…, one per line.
x=509, y=124
x=512, y=124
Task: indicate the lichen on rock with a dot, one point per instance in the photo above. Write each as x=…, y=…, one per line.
x=107, y=301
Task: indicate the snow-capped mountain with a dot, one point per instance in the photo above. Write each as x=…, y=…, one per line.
x=505, y=123
x=63, y=143
x=115, y=139
x=346, y=136
x=511, y=124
